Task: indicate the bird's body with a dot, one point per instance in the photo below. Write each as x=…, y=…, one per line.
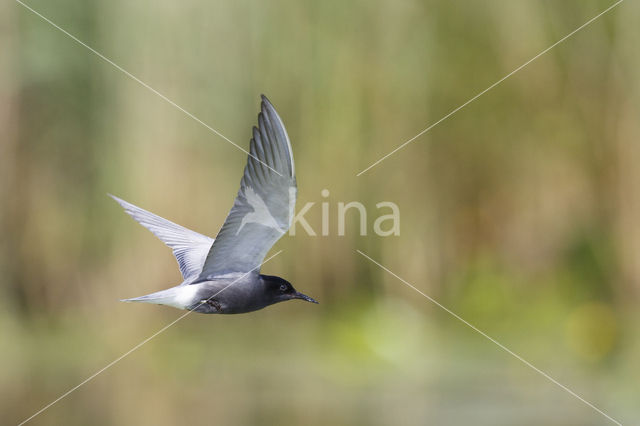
x=222, y=276
x=224, y=295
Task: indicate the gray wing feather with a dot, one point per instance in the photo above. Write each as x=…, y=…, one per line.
x=263, y=209
x=189, y=247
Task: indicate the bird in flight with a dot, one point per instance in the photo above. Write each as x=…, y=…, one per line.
x=222, y=276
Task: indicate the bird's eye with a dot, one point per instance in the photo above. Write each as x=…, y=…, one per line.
x=283, y=287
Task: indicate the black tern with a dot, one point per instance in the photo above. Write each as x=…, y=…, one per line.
x=222, y=276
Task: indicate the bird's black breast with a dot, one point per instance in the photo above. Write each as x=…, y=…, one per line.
x=226, y=296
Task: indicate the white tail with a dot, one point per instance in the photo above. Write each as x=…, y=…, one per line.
x=179, y=297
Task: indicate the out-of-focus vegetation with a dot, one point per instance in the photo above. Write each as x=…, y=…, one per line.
x=520, y=212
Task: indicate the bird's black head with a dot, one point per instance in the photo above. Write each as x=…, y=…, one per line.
x=278, y=290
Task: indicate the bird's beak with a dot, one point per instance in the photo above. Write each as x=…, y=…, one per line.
x=297, y=295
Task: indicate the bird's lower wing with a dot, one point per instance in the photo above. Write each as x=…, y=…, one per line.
x=189, y=247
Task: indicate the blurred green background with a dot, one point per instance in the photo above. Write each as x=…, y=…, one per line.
x=519, y=213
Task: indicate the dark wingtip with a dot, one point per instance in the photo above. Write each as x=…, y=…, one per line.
x=266, y=103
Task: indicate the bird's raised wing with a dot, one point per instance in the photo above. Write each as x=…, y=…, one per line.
x=263, y=210
x=189, y=247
